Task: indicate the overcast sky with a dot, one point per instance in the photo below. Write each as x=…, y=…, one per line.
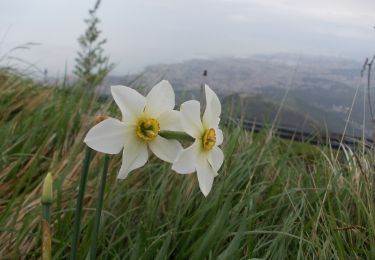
x=143, y=32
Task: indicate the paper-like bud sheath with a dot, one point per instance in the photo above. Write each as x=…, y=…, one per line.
x=47, y=194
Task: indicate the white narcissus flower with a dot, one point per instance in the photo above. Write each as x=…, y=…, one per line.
x=142, y=119
x=203, y=156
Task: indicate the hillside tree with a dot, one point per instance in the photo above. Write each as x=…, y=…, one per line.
x=92, y=65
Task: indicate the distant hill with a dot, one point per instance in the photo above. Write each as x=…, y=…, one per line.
x=319, y=88
x=259, y=71
x=295, y=114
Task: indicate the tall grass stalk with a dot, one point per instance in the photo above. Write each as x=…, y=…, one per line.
x=79, y=205
x=99, y=206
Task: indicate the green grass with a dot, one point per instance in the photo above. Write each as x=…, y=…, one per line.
x=273, y=199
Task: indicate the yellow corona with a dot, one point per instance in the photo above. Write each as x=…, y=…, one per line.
x=148, y=129
x=209, y=139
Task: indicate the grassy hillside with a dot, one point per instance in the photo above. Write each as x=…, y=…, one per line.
x=273, y=199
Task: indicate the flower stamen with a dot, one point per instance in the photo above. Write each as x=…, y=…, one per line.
x=148, y=129
x=209, y=139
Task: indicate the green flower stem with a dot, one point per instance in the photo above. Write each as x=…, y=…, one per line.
x=78, y=212
x=99, y=206
x=46, y=232
x=181, y=136
x=47, y=199
x=46, y=210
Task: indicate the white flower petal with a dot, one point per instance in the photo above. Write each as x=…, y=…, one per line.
x=205, y=175
x=135, y=155
x=190, y=118
x=170, y=120
x=219, y=136
x=187, y=158
x=108, y=136
x=216, y=158
x=130, y=102
x=160, y=99
x=211, y=116
x=165, y=149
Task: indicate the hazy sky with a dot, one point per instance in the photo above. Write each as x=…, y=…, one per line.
x=142, y=32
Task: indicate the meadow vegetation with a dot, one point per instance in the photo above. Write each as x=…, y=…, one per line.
x=273, y=198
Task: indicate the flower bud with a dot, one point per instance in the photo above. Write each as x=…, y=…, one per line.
x=47, y=194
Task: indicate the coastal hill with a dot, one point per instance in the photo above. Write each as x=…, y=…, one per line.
x=318, y=89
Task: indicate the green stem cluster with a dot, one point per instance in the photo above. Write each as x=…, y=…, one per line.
x=82, y=187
